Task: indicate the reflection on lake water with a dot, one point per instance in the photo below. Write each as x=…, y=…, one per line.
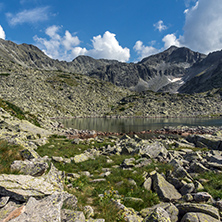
x=135, y=124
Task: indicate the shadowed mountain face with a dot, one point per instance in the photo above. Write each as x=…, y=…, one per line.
x=174, y=70
x=153, y=73
x=205, y=75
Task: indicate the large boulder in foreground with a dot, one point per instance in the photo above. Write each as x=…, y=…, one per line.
x=170, y=208
x=22, y=187
x=166, y=191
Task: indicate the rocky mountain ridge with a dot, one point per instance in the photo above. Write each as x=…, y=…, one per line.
x=30, y=56
x=174, y=70
x=204, y=75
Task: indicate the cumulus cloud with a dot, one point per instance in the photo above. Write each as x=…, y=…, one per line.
x=57, y=47
x=203, y=26
x=144, y=51
x=67, y=47
x=78, y=51
x=28, y=16
x=2, y=33
x=108, y=47
x=70, y=41
x=160, y=26
x=170, y=40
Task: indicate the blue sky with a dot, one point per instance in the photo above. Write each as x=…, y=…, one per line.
x=126, y=30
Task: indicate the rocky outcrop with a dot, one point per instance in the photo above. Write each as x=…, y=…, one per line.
x=201, y=208
x=34, y=198
x=47, y=209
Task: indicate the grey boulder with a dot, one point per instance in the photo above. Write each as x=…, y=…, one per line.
x=165, y=190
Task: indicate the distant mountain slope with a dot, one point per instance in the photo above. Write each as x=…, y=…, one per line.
x=174, y=70
x=32, y=57
x=205, y=75
x=153, y=73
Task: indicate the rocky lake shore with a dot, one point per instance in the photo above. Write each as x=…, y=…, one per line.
x=61, y=174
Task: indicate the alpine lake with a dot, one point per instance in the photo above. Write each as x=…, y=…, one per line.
x=125, y=125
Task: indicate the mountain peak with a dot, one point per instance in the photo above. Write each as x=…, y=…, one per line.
x=174, y=54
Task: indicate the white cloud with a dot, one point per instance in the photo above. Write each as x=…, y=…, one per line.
x=67, y=47
x=108, y=47
x=144, y=51
x=78, y=51
x=70, y=41
x=160, y=26
x=52, y=32
x=28, y=16
x=2, y=33
x=170, y=40
x=57, y=47
x=203, y=26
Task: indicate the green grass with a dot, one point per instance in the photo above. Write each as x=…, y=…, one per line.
x=90, y=165
x=116, y=182
x=8, y=153
x=17, y=112
x=65, y=148
x=213, y=184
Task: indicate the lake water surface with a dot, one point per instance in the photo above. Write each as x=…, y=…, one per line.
x=126, y=125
